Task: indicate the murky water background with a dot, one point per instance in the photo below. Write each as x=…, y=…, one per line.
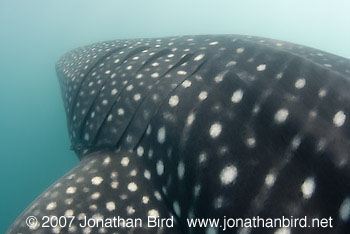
x=34, y=145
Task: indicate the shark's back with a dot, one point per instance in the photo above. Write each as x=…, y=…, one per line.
x=204, y=127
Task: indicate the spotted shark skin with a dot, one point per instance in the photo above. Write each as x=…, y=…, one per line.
x=202, y=127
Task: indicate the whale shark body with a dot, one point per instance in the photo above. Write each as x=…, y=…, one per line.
x=201, y=127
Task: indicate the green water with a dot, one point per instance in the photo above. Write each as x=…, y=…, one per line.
x=34, y=145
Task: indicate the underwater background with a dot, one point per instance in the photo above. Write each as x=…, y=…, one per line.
x=34, y=144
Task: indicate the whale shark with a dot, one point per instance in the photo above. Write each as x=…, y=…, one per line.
x=178, y=130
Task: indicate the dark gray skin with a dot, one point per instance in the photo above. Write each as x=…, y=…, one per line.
x=203, y=127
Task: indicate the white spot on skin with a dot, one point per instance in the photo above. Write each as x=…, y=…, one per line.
x=321, y=144
x=190, y=119
x=237, y=96
x=176, y=207
x=344, y=211
x=106, y=161
x=218, y=202
x=69, y=213
x=130, y=87
x=181, y=170
x=203, y=95
x=51, y=206
x=114, y=91
x=198, y=57
x=231, y=63
x=130, y=210
x=228, y=175
x=161, y=135
x=149, y=130
x=114, y=184
x=153, y=213
x=173, y=100
x=239, y=50
x=155, y=97
x=157, y=195
x=160, y=167
x=147, y=174
x=300, y=83
x=155, y=75
x=261, y=67
x=56, y=230
x=133, y=173
x=214, y=43
x=182, y=73
x=165, y=191
x=220, y=77
x=282, y=231
x=105, y=102
x=72, y=229
x=270, y=179
x=35, y=227
x=296, y=142
x=312, y=114
x=215, y=130
x=244, y=230
x=68, y=201
x=71, y=190
x=322, y=93
x=81, y=216
x=125, y=161
x=339, y=119
x=86, y=136
x=281, y=115
x=132, y=187
x=211, y=230
x=251, y=142
x=202, y=157
x=145, y=199
x=308, y=188
x=114, y=175
x=140, y=151
x=95, y=195
x=97, y=180
x=110, y=117
x=279, y=76
x=186, y=84
x=137, y=97
x=121, y=111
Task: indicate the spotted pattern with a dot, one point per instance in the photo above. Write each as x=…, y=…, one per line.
x=133, y=198
x=203, y=126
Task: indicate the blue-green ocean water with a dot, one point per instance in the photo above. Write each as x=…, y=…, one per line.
x=34, y=145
